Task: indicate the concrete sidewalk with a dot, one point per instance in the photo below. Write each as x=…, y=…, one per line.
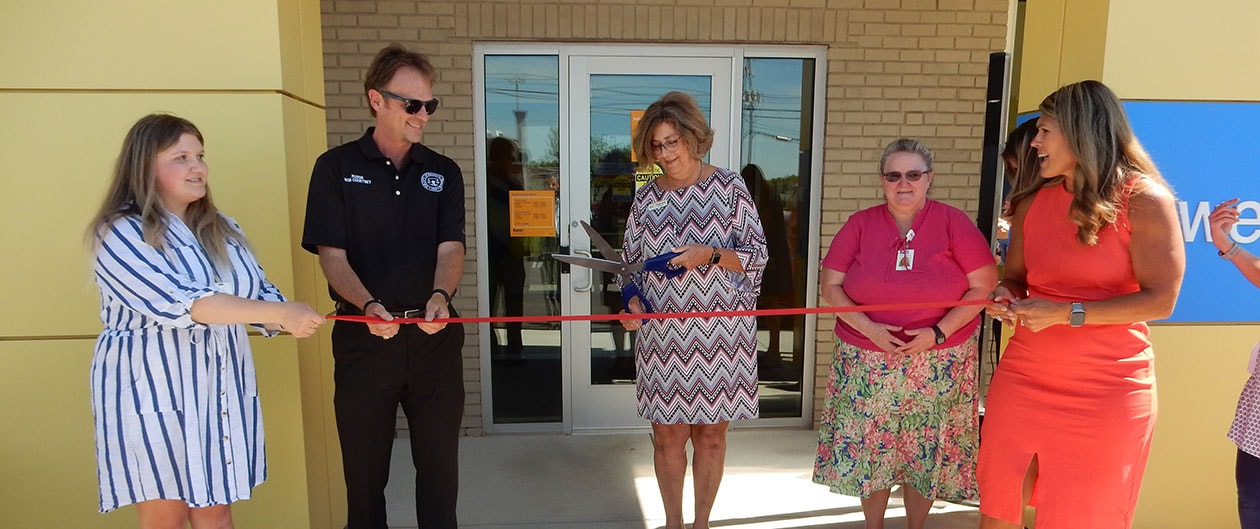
x=523, y=481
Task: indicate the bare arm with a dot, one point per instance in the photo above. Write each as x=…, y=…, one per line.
x=831, y=285
x=1014, y=283
x=298, y=318
x=1158, y=257
x=980, y=284
x=1222, y=220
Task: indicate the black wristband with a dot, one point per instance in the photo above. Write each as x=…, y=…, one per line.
x=445, y=294
x=940, y=335
x=371, y=301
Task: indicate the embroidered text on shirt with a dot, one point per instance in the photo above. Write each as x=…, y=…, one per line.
x=357, y=179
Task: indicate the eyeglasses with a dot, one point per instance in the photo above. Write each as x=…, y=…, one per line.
x=411, y=106
x=669, y=146
x=913, y=176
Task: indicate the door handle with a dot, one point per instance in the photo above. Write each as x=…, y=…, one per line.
x=575, y=271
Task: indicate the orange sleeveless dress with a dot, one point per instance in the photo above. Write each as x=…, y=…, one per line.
x=1080, y=399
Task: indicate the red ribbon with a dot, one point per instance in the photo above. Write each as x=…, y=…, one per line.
x=662, y=315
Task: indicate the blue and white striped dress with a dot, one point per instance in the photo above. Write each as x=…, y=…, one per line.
x=175, y=401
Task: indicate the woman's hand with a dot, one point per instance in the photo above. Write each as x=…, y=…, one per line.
x=636, y=307
x=692, y=255
x=1000, y=309
x=881, y=334
x=921, y=340
x=1037, y=314
x=299, y=319
x=1221, y=221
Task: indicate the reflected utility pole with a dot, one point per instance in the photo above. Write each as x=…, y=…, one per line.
x=751, y=99
x=516, y=81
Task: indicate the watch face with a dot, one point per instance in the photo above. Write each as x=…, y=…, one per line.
x=1077, y=317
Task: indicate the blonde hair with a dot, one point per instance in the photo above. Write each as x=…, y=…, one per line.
x=133, y=191
x=680, y=110
x=1108, y=155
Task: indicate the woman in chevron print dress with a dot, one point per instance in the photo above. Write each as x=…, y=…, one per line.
x=694, y=374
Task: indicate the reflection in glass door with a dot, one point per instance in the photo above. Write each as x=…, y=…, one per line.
x=557, y=124
x=607, y=93
x=522, y=111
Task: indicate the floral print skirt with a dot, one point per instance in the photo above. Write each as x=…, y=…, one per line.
x=890, y=419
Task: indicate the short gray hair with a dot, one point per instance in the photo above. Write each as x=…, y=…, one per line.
x=906, y=145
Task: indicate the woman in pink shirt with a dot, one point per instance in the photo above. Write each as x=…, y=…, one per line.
x=901, y=396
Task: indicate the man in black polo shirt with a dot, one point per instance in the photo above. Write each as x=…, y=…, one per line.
x=386, y=216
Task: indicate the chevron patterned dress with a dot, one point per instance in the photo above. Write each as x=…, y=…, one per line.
x=698, y=370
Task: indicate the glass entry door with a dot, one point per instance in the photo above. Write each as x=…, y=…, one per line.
x=606, y=93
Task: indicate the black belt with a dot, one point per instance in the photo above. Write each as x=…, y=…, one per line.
x=348, y=309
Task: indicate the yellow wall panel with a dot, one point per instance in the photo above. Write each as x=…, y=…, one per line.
x=326, y=486
x=1063, y=43
x=1166, y=49
x=47, y=455
x=1039, y=64
x=1084, y=38
x=301, y=50
x=1189, y=481
x=140, y=44
x=54, y=188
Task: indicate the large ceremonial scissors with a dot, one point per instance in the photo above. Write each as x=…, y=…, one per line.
x=621, y=268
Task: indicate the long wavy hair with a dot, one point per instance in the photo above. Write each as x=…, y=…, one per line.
x=1108, y=155
x=133, y=191
x=1022, y=171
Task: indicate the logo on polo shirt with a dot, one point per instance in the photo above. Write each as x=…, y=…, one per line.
x=357, y=179
x=432, y=182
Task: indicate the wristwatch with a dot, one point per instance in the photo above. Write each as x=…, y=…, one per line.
x=1077, y=318
x=715, y=257
x=940, y=335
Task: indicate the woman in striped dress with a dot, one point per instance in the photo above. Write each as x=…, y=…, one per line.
x=178, y=425
x=695, y=375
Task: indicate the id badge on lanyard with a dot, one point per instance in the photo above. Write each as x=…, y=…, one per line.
x=905, y=254
x=905, y=260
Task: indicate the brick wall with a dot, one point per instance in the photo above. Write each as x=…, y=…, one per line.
x=913, y=68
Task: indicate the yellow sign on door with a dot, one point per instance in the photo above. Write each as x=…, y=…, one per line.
x=533, y=213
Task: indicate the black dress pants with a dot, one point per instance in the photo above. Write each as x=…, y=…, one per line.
x=373, y=376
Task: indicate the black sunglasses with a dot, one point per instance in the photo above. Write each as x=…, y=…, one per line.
x=411, y=106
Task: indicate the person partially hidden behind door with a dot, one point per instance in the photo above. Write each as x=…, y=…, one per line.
x=1245, y=430
x=777, y=288
x=506, y=253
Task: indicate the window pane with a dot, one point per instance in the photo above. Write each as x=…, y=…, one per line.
x=775, y=159
x=522, y=154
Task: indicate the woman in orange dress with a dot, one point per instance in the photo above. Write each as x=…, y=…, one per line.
x=1095, y=253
